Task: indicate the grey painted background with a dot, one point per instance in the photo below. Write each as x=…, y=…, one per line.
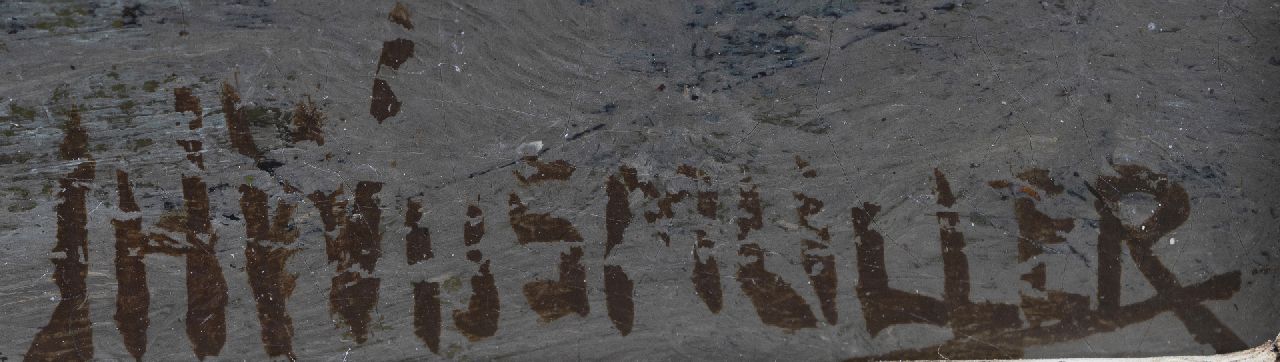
x=874, y=95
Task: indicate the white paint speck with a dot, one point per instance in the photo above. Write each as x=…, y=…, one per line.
x=529, y=148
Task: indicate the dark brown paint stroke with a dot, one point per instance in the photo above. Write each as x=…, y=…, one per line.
x=1008, y=344
x=133, y=299
x=69, y=334
x=1074, y=321
x=539, y=228
x=618, y=286
x=706, y=275
x=978, y=320
x=75, y=139
x=707, y=204
x=1174, y=209
x=417, y=242
x=693, y=173
x=480, y=320
x=1110, y=247
x=964, y=316
x=955, y=265
x=821, y=270
x=618, y=290
x=195, y=195
x=1036, y=277
x=237, y=125
x=366, y=246
x=883, y=306
x=384, y=103
x=473, y=230
x=289, y=188
x=999, y=184
x=820, y=267
x=1218, y=287
x=426, y=314
x=206, y=287
x=631, y=178
x=961, y=349
x=1035, y=228
x=184, y=101
x=559, y=170
x=943, y=189
x=353, y=296
x=617, y=213
x=775, y=301
x=265, y=258
x=749, y=202
x=1040, y=178
x=1059, y=306
x=193, y=148
x=360, y=238
x=809, y=207
x=553, y=299
x=400, y=15
x=395, y=53
x=308, y=123
x=801, y=165
x=332, y=212
x=160, y=243
x=664, y=207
